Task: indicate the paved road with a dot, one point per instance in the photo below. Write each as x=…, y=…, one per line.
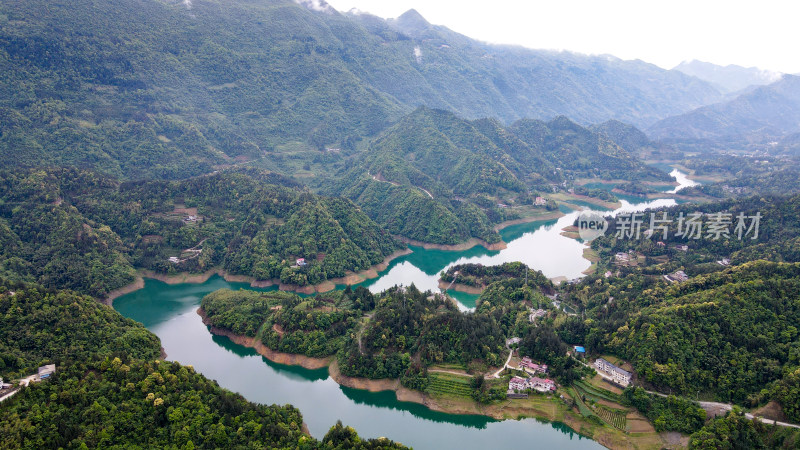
x=728, y=407
x=23, y=382
x=497, y=374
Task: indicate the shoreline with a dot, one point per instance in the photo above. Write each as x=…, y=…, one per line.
x=467, y=289
x=471, y=242
x=507, y=409
x=596, y=201
x=552, y=215
x=197, y=278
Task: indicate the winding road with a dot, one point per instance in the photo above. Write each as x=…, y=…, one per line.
x=727, y=407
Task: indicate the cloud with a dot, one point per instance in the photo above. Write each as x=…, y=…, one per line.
x=316, y=5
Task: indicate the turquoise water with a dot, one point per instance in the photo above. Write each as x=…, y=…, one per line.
x=170, y=312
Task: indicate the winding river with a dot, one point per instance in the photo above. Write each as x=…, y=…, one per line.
x=169, y=311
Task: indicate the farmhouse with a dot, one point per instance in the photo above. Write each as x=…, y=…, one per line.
x=677, y=277
x=535, y=383
x=517, y=384
x=531, y=367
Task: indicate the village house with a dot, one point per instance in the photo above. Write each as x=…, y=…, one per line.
x=512, y=341
x=724, y=262
x=531, y=367
x=622, y=257
x=677, y=277
x=542, y=384
x=683, y=248
x=535, y=383
x=301, y=262
x=517, y=384
x=540, y=201
x=617, y=374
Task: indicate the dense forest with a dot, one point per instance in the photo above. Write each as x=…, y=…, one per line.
x=76, y=229
x=735, y=431
x=204, y=84
x=480, y=275
x=85, y=329
x=284, y=322
x=729, y=334
x=107, y=370
x=462, y=177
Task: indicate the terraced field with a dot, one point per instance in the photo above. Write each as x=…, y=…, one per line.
x=614, y=418
x=445, y=384
x=592, y=391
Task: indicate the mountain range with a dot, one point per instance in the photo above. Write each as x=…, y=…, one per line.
x=730, y=78
x=763, y=117
x=171, y=89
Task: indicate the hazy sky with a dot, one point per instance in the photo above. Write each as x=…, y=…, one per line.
x=763, y=33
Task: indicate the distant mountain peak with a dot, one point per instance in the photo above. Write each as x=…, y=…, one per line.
x=412, y=15
x=730, y=78
x=411, y=23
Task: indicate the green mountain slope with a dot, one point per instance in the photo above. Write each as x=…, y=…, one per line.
x=76, y=229
x=730, y=334
x=438, y=178
x=760, y=116
x=142, y=89
x=109, y=392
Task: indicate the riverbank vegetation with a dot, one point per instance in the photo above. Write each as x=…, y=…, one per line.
x=478, y=275
x=106, y=368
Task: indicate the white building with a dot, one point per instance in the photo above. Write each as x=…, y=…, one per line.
x=517, y=384
x=617, y=374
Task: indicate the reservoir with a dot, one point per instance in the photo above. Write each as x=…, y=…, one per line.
x=169, y=311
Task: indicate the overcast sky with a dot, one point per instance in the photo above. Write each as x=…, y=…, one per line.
x=764, y=33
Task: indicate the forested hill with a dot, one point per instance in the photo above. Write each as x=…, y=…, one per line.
x=434, y=164
x=731, y=334
x=170, y=89
x=109, y=391
x=68, y=228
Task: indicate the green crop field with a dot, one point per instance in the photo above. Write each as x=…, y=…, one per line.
x=449, y=385
x=614, y=418
x=593, y=391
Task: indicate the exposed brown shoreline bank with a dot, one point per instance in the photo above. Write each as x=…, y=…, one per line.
x=461, y=287
x=549, y=216
x=196, y=278
x=504, y=410
x=472, y=242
